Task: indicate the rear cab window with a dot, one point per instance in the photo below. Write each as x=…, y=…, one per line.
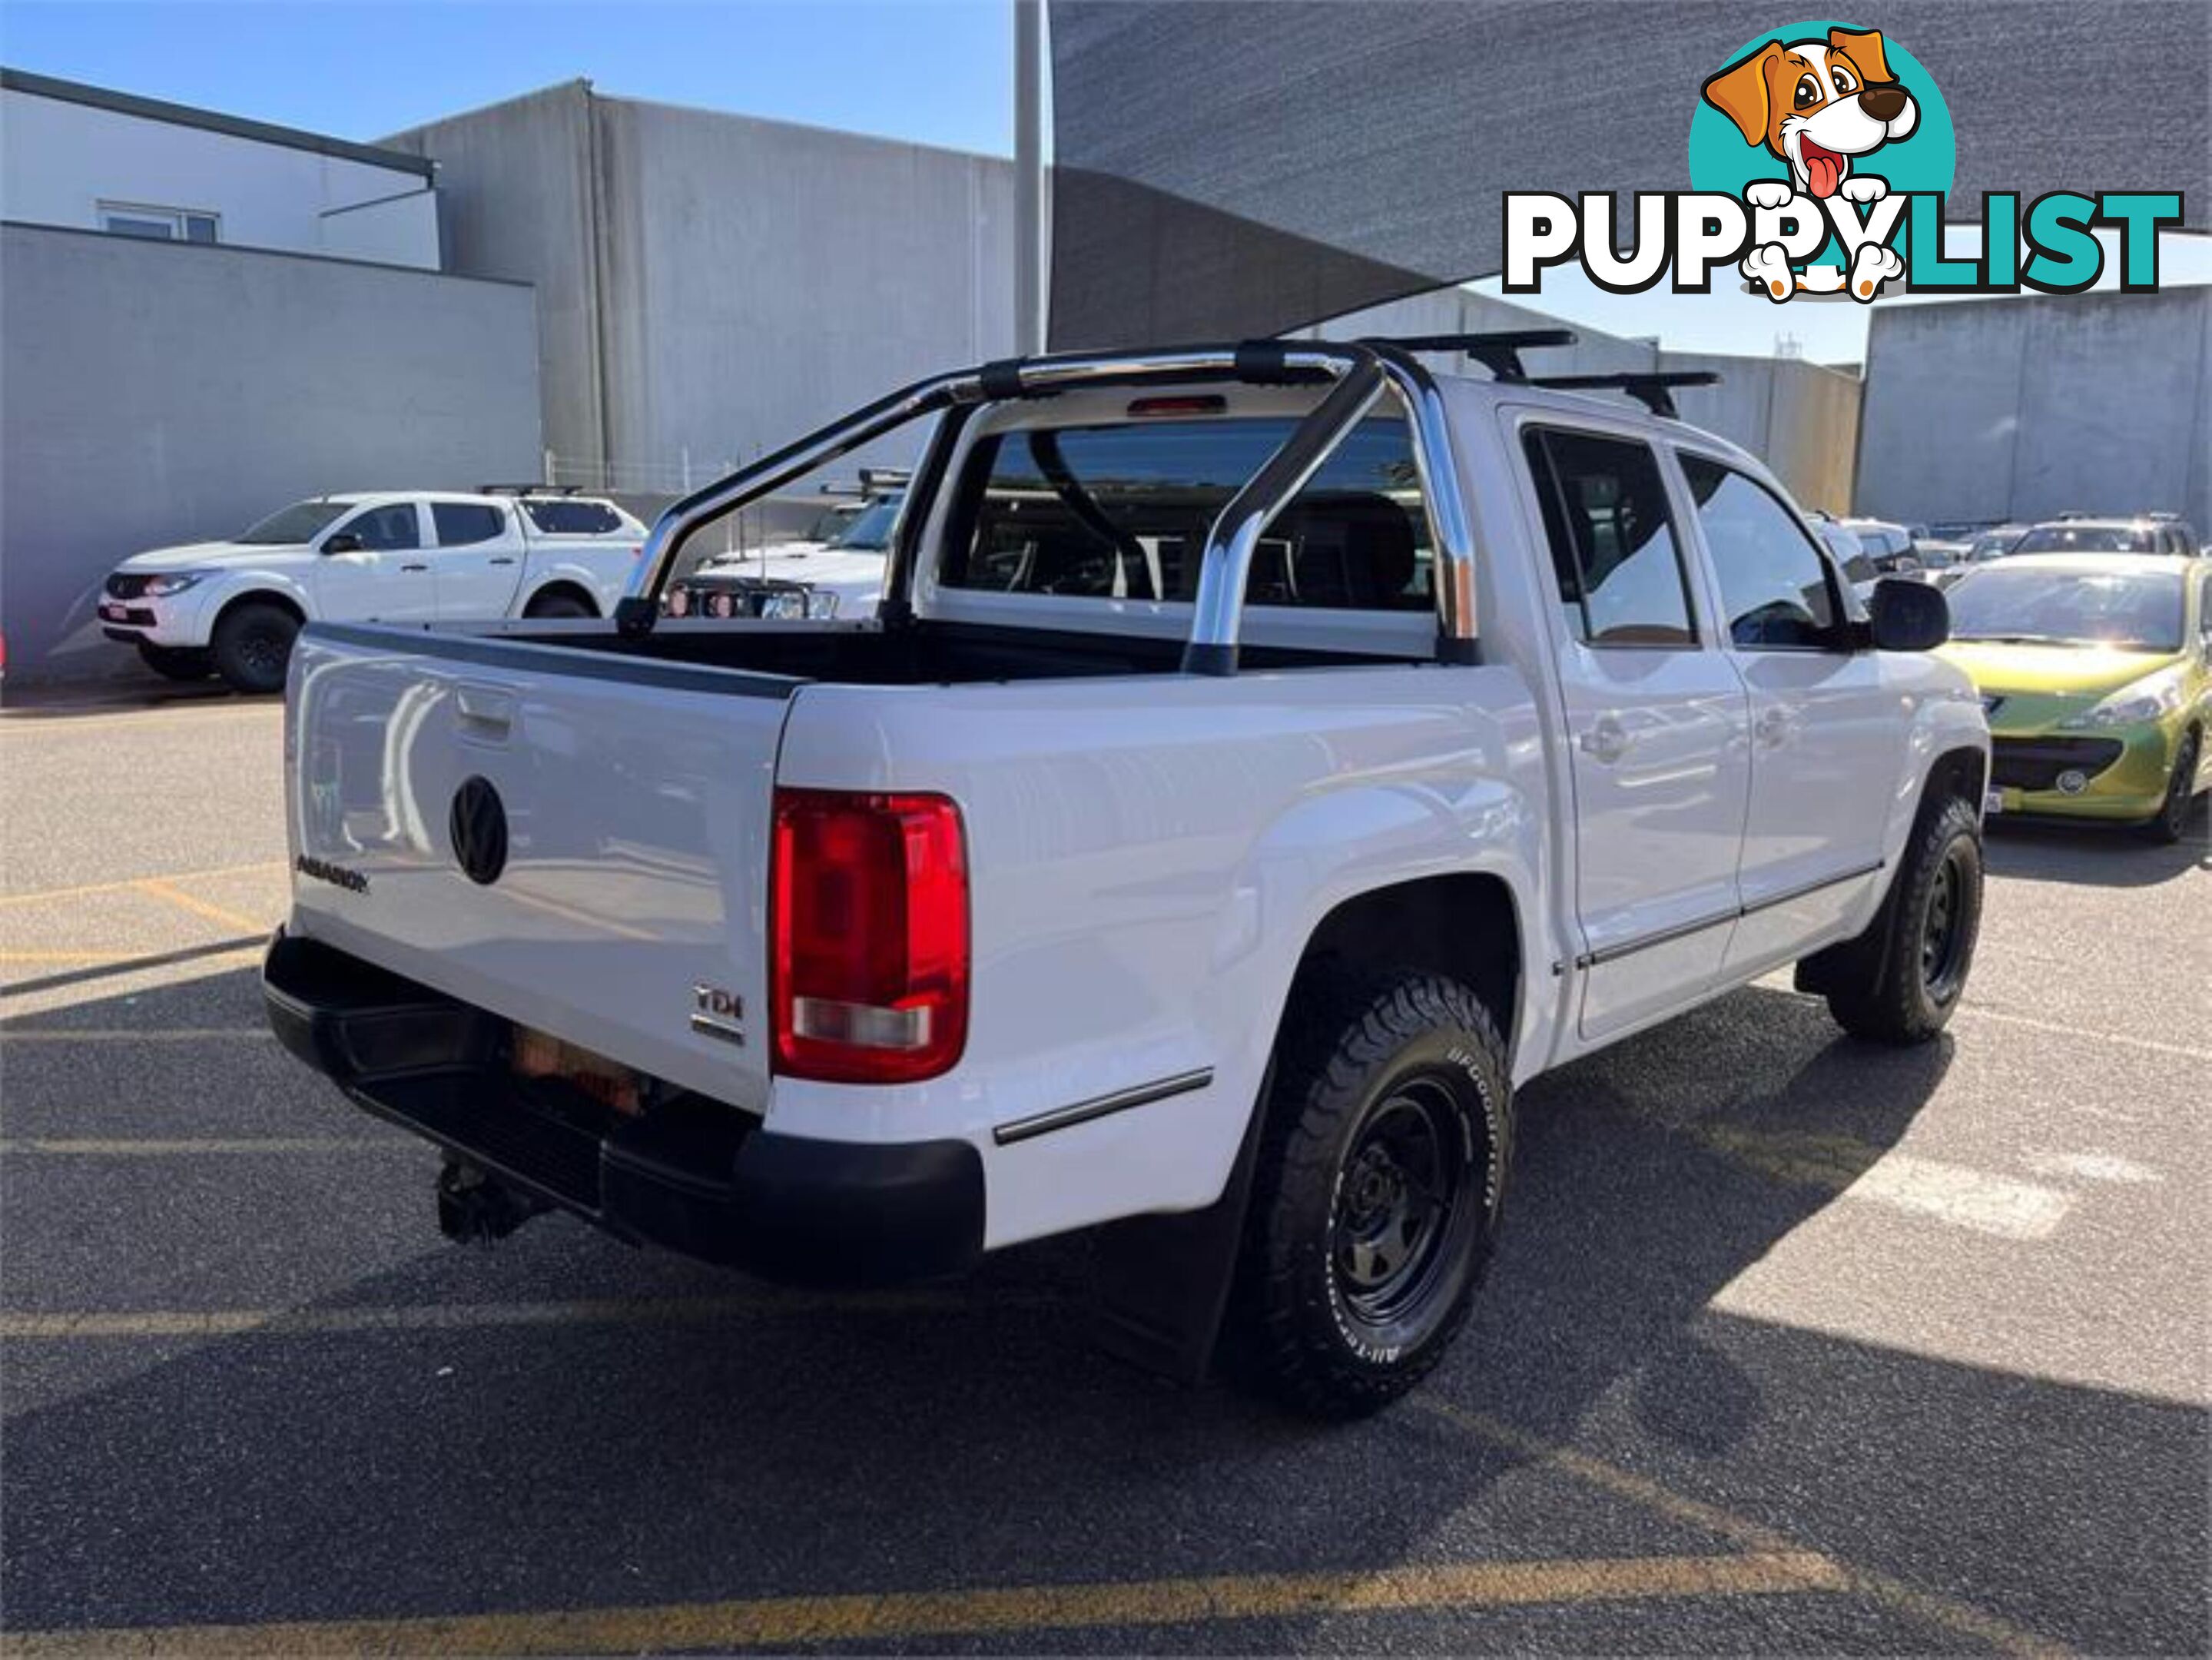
x=1614, y=553
x=459, y=524
x=1120, y=511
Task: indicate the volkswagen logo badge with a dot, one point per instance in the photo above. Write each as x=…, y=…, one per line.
x=478, y=825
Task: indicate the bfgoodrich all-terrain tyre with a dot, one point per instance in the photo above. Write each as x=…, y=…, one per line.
x=252, y=645
x=1376, y=1196
x=1901, y=982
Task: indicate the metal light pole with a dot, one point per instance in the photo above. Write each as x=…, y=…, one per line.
x=1029, y=177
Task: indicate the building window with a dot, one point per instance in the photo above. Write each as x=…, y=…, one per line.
x=160, y=224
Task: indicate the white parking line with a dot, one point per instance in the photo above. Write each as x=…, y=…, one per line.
x=2089, y=1034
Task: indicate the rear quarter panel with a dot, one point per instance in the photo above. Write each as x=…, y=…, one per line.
x=1148, y=857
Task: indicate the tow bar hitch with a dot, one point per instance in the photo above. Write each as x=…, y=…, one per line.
x=477, y=1209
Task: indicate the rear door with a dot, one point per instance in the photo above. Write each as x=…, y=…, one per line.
x=1656, y=722
x=635, y=800
x=1828, y=734
x=478, y=561
x=387, y=578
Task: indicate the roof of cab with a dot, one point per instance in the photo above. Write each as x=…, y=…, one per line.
x=1614, y=410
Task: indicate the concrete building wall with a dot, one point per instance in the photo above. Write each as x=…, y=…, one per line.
x=2027, y=407
x=158, y=393
x=716, y=285
x=1800, y=418
x=515, y=204
x=60, y=160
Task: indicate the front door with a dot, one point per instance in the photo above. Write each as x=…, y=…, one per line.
x=1827, y=743
x=1657, y=727
x=386, y=578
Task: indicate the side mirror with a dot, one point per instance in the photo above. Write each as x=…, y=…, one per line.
x=1907, y=616
x=344, y=542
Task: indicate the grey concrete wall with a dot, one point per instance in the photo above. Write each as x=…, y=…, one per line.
x=2025, y=408
x=515, y=202
x=1800, y=418
x=751, y=279
x=159, y=392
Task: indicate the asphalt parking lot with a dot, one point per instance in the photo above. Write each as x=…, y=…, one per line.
x=1793, y=1343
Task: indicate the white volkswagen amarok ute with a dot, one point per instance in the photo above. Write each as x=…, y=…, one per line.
x=233, y=608
x=1266, y=759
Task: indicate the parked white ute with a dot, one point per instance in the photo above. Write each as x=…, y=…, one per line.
x=1267, y=758
x=233, y=608
x=841, y=575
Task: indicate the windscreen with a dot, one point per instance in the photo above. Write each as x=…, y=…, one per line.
x=2137, y=612
x=1121, y=512
x=302, y=521
x=869, y=532
x=2085, y=538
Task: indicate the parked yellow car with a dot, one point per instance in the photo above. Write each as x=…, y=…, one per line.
x=2096, y=671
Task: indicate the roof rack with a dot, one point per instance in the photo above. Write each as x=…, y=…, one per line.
x=1499, y=353
x=1652, y=389
x=529, y=489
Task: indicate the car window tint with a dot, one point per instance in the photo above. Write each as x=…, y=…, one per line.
x=555, y=517
x=460, y=523
x=1774, y=584
x=386, y=527
x=1613, y=549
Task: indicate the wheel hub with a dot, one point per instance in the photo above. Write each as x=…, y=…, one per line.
x=1396, y=1196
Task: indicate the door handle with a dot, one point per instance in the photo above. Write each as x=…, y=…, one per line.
x=500, y=559
x=1606, y=742
x=414, y=567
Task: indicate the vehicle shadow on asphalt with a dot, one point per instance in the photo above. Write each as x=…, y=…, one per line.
x=65, y=700
x=814, y=1447
x=2101, y=855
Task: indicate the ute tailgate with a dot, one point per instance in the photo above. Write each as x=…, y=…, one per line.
x=634, y=798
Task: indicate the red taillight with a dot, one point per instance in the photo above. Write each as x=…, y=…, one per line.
x=871, y=926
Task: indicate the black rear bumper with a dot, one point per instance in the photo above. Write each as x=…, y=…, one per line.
x=693, y=1174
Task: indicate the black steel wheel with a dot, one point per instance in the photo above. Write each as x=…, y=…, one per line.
x=1376, y=1196
x=252, y=645
x=1899, y=982
x=1943, y=932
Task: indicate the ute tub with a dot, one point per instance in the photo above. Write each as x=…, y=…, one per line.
x=688, y=1174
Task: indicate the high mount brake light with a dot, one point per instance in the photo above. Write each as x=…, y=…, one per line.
x=1156, y=408
x=871, y=931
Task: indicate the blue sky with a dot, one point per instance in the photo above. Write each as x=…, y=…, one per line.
x=939, y=71
x=935, y=71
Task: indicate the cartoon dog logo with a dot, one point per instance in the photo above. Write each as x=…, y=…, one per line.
x=1818, y=104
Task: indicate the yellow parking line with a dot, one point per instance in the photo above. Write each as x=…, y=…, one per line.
x=20, y=1034
x=46, y=895
x=75, y=1325
x=1959, y=1618
x=156, y=888
x=66, y=956
x=116, y=1147
x=896, y=1616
